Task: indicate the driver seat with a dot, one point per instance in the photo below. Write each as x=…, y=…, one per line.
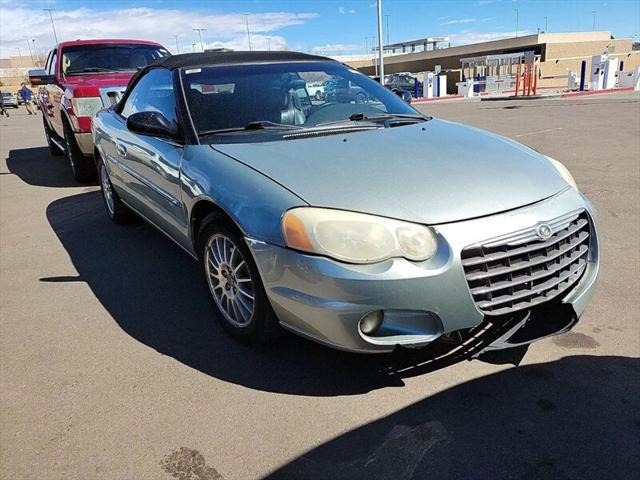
x=292, y=113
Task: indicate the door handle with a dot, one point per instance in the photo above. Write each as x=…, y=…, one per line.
x=122, y=150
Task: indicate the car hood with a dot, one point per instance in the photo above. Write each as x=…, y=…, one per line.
x=99, y=79
x=432, y=172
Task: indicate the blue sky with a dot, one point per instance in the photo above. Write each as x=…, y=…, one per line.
x=326, y=26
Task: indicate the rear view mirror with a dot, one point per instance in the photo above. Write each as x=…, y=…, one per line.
x=40, y=77
x=153, y=124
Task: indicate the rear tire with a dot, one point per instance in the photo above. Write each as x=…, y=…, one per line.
x=117, y=211
x=83, y=168
x=234, y=283
x=53, y=148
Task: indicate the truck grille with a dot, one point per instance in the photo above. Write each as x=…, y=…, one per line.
x=111, y=95
x=521, y=270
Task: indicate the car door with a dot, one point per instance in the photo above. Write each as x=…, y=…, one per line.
x=149, y=167
x=51, y=95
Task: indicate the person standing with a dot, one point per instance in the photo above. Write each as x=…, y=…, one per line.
x=2, y=109
x=27, y=97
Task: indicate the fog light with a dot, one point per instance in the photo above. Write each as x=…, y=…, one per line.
x=371, y=322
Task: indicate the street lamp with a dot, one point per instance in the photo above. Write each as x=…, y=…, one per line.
x=177, y=45
x=246, y=20
x=517, y=13
x=53, y=26
x=593, y=29
x=380, y=56
x=200, y=30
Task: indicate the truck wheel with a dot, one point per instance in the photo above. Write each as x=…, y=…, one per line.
x=53, y=148
x=118, y=212
x=234, y=283
x=83, y=168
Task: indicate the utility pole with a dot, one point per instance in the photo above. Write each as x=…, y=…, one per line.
x=200, y=30
x=35, y=53
x=246, y=19
x=177, y=45
x=268, y=44
x=193, y=47
x=380, y=55
x=366, y=45
x=30, y=52
x=545, y=25
x=593, y=29
x=387, y=19
x=53, y=25
x=517, y=13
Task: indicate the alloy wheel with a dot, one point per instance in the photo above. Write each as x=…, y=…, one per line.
x=229, y=280
x=107, y=191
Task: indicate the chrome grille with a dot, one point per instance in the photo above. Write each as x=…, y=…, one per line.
x=111, y=95
x=521, y=270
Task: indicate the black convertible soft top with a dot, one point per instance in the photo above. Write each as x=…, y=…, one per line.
x=194, y=60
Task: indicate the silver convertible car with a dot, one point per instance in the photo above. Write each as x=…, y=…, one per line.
x=364, y=225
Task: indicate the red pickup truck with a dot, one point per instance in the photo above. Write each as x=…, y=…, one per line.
x=80, y=78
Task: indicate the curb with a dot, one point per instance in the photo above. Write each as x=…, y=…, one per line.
x=437, y=99
x=520, y=97
x=597, y=92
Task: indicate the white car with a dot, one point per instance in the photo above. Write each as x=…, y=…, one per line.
x=316, y=90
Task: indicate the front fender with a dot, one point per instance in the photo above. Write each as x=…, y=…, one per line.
x=253, y=201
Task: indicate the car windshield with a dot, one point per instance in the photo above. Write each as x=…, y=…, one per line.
x=275, y=98
x=86, y=59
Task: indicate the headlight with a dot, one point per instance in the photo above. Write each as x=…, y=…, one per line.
x=356, y=237
x=563, y=171
x=86, y=106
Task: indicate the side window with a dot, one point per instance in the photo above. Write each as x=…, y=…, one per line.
x=46, y=64
x=52, y=65
x=153, y=92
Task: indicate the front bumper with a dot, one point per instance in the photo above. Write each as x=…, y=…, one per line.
x=325, y=300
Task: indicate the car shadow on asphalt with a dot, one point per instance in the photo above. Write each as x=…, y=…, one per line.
x=575, y=418
x=154, y=291
x=36, y=166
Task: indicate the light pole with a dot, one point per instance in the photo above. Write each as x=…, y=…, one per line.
x=545, y=25
x=193, y=47
x=366, y=45
x=380, y=56
x=386, y=17
x=268, y=44
x=246, y=19
x=35, y=53
x=517, y=13
x=177, y=45
x=593, y=29
x=53, y=25
x=200, y=30
x=30, y=52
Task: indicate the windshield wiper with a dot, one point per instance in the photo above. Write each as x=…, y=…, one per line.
x=359, y=117
x=89, y=70
x=258, y=125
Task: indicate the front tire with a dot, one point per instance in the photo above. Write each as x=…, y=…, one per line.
x=83, y=168
x=234, y=283
x=117, y=211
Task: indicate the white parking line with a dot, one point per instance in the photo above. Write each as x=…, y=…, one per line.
x=538, y=132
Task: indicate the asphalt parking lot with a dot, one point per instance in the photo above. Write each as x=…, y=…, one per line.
x=113, y=366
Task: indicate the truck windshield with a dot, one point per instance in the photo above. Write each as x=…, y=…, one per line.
x=86, y=59
x=233, y=100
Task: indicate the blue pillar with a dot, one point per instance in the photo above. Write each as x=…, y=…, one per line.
x=583, y=74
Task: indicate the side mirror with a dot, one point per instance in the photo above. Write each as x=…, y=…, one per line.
x=40, y=77
x=153, y=124
x=404, y=95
